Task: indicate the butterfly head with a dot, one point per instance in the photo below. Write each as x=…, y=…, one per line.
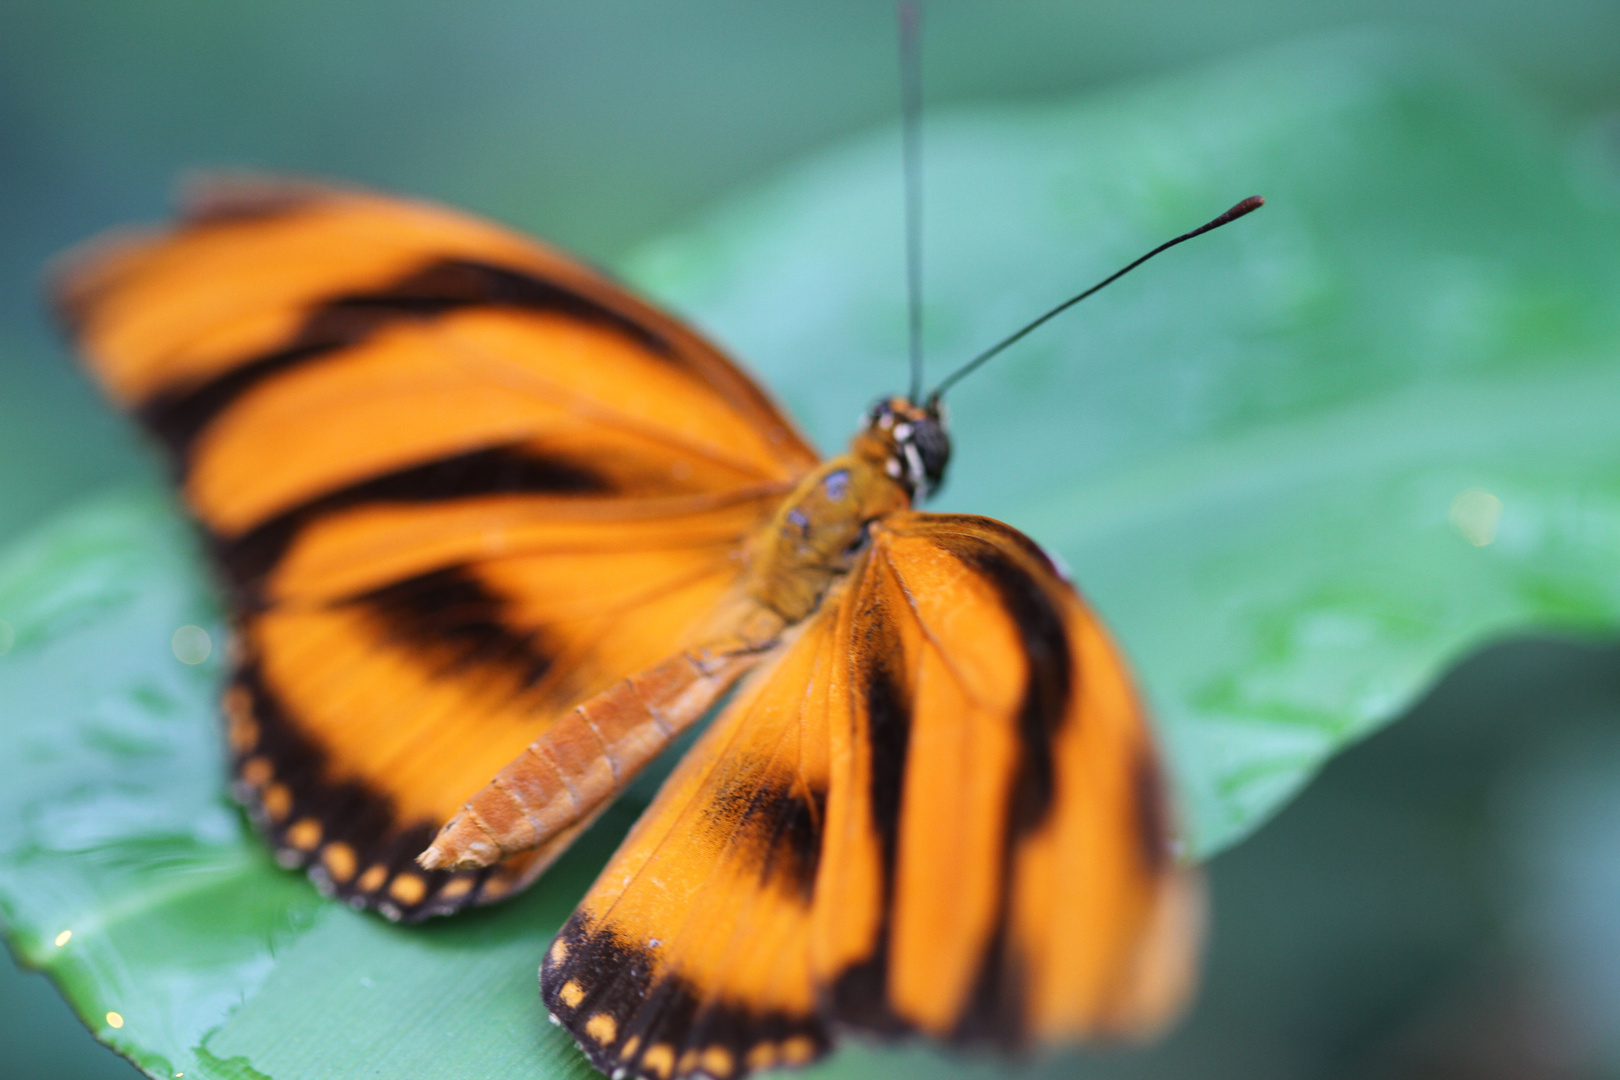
x=911, y=442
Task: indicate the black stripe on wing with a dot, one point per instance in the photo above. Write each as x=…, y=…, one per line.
x=457, y=626
x=631, y=1020
x=774, y=827
x=996, y=1011
x=178, y=416
x=1050, y=685
x=859, y=995
x=249, y=558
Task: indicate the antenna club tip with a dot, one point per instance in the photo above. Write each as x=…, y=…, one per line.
x=1249, y=205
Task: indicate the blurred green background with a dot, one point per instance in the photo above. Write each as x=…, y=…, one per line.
x=1442, y=903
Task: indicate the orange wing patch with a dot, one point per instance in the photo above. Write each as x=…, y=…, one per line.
x=456, y=482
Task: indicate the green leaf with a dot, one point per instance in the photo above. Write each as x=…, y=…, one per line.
x=1301, y=465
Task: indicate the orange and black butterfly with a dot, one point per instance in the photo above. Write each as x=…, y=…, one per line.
x=481, y=512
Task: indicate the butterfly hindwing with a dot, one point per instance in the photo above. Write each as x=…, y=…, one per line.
x=455, y=482
x=690, y=955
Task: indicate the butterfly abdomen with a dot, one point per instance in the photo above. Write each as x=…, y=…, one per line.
x=584, y=759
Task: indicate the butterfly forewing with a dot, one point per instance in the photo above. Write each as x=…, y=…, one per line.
x=266, y=275
x=455, y=481
x=1010, y=790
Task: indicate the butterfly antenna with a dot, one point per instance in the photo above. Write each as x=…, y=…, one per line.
x=910, y=16
x=1249, y=205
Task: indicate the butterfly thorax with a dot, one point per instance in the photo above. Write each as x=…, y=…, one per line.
x=897, y=457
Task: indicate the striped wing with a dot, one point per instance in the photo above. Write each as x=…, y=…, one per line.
x=690, y=955
x=997, y=865
x=938, y=810
x=454, y=482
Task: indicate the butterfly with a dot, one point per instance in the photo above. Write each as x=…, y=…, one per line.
x=479, y=511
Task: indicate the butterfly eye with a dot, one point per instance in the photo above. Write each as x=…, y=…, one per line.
x=926, y=450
